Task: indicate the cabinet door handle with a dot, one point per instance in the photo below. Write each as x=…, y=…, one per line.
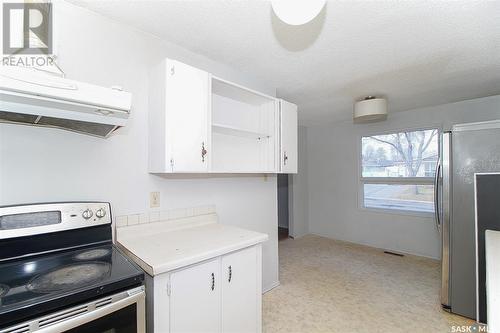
x=285, y=158
x=230, y=276
x=213, y=282
x=203, y=152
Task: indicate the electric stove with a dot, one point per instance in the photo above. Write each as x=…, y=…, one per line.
x=57, y=256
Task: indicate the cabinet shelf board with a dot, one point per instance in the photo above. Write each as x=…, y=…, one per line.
x=234, y=131
x=237, y=92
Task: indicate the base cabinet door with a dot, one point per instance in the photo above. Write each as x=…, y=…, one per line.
x=195, y=298
x=240, y=292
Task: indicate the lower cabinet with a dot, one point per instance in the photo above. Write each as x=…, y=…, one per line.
x=240, y=292
x=195, y=298
x=220, y=295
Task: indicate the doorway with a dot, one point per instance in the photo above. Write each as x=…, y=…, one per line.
x=283, y=208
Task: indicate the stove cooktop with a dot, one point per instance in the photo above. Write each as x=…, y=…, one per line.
x=37, y=285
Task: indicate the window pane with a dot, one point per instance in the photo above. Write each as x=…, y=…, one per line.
x=419, y=198
x=403, y=154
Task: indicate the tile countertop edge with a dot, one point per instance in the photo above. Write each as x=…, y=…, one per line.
x=174, y=265
x=153, y=269
x=147, y=268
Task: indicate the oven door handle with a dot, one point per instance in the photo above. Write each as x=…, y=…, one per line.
x=125, y=299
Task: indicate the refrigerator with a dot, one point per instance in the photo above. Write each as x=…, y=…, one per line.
x=465, y=150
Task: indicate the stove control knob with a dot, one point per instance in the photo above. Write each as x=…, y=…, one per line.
x=87, y=214
x=100, y=213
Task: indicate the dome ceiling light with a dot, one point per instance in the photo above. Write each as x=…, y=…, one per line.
x=370, y=109
x=297, y=12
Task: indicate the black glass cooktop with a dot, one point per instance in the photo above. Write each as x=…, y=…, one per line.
x=38, y=284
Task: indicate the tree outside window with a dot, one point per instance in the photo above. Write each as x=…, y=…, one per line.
x=398, y=170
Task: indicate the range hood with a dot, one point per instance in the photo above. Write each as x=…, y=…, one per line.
x=31, y=97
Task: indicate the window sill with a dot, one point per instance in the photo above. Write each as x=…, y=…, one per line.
x=425, y=215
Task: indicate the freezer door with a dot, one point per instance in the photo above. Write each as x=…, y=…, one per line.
x=474, y=149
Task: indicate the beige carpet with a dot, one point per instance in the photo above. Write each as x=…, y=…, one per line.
x=332, y=286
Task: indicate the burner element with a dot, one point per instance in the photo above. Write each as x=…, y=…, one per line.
x=69, y=277
x=92, y=254
x=3, y=290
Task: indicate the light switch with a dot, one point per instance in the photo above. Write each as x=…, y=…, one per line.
x=154, y=199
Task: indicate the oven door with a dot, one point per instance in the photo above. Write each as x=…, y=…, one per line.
x=120, y=313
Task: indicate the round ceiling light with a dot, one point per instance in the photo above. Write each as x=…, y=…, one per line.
x=370, y=109
x=297, y=12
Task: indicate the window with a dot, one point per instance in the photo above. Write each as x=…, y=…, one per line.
x=397, y=170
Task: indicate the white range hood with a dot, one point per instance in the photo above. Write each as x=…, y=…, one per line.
x=31, y=97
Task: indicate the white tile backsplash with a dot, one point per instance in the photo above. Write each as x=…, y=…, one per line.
x=165, y=215
x=189, y=212
x=177, y=214
x=154, y=216
x=144, y=218
x=121, y=221
x=133, y=219
x=201, y=210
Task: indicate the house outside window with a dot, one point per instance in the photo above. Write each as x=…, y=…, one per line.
x=398, y=170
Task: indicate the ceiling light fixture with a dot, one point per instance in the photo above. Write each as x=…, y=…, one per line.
x=370, y=109
x=297, y=12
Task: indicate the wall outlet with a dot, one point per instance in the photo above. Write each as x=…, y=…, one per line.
x=154, y=199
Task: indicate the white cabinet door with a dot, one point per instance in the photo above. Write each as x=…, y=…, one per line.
x=288, y=137
x=195, y=299
x=187, y=121
x=240, y=292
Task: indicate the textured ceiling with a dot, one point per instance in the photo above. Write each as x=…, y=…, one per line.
x=416, y=53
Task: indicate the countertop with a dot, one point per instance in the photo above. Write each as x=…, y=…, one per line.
x=493, y=279
x=165, y=246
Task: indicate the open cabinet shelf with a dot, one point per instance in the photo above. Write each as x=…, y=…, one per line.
x=239, y=132
x=244, y=129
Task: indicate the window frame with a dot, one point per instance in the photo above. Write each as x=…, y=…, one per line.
x=393, y=180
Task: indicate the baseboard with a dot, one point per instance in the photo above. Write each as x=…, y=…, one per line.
x=378, y=248
x=299, y=236
x=270, y=287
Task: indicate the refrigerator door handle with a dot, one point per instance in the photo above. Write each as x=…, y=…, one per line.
x=445, y=223
x=436, y=195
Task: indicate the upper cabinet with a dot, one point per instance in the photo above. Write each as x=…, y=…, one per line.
x=288, y=137
x=179, y=109
x=200, y=123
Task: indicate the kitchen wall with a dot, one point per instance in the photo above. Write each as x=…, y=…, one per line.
x=40, y=165
x=298, y=194
x=333, y=157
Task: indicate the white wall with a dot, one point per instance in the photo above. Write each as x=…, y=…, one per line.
x=333, y=156
x=38, y=165
x=299, y=191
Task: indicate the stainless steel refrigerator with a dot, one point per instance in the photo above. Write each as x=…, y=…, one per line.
x=465, y=150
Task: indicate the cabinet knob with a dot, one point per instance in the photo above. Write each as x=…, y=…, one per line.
x=213, y=282
x=230, y=276
x=285, y=158
x=203, y=152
